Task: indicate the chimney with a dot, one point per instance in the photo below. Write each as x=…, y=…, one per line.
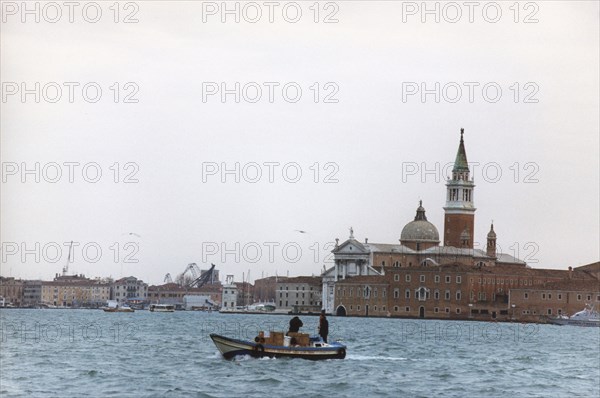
x=570, y=272
x=366, y=240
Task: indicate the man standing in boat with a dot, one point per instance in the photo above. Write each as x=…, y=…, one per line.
x=295, y=325
x=323, y=326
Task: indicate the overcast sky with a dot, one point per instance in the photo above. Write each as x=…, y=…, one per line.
x=369, y=148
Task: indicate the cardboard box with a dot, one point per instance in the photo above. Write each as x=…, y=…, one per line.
x=276, y=338
x=302, y=339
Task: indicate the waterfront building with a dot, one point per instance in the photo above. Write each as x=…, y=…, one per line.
x=75, y=291
x=193, y=302
x=265, y=289
x=32, y=293
x=129, y=289
x=230, y=294
x=299, y=294
x=11, y=291
x=567, y=296
x=172, y=293
x=245, y=293
x=418, y=277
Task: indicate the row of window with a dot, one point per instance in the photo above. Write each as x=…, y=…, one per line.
x=436, y=278
x=548, y=312
x=375, y=308
x=297, y=288
x=423, y=294
x=502, y=281
x=453, y=194
x=406, y=309
x=297, y=295
x=297, y=303
x=559, y=296
x=396, y=264
x=365, y=292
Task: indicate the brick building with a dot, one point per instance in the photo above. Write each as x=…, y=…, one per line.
x=459, y=291
x=172, y=293
x=265, y=289
x=567, y=296
x=421, y=278
x=245, y=293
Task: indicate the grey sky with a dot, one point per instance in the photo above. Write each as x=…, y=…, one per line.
x=370, y=141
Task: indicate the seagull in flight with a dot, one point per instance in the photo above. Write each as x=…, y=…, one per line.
x=301, y=231
x=133, y=233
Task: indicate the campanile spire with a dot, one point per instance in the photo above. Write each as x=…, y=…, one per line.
x=459, y=212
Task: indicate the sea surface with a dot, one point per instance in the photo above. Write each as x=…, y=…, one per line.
x=90, y=353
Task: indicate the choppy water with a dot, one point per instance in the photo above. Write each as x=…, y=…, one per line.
x=76, y=353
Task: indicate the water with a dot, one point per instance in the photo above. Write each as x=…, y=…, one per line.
x=75, y=353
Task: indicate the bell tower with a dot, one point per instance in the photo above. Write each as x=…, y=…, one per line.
x=491, y=242
x=459, y=212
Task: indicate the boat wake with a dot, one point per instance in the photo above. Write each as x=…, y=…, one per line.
x=374, y=358
x=240, y=358
x=216, y=355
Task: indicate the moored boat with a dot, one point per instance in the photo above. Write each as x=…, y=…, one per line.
x=586, y=317
x=113, y=306
x=162, y=308
x=119, y=309
x=315, y=349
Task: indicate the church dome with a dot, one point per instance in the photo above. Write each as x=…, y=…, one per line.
x=420, y=230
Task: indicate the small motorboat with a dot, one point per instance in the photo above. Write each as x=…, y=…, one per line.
x=118, y=309
x=586, y=317
x=278, y=346
x=113, y=306
x=162, y=308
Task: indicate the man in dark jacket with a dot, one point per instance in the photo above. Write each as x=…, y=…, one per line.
x=323, y=326
x=295, y=325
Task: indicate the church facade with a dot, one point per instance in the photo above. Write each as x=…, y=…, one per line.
x=423, y=276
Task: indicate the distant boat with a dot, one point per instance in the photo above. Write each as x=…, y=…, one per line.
x=262, y=307
x=162, y=308
x=113, y=306
x=124, y=308
x=586, y=317
x=279, y=346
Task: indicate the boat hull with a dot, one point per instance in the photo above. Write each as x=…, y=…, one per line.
x=118, y=309
x=162, y=308
x=231, y=348
x=573, y=322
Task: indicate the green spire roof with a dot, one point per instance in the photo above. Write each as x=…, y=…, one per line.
x=461, y=164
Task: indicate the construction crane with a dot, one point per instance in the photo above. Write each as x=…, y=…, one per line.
x=193, y=268
x=199, y=278
x=65, y=269
x=168, y=278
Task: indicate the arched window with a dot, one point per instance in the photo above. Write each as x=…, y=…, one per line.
x=422, y=293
